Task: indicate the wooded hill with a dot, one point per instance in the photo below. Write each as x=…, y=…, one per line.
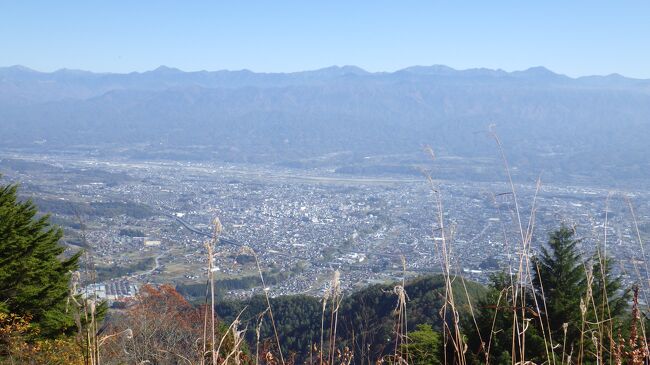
x=367, y=317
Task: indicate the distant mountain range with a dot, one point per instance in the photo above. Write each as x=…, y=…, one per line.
x=596, y=126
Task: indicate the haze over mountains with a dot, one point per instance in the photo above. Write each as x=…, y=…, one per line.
x=597, y=127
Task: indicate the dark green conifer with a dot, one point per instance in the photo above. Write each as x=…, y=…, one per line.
x=610, y=299
x=560, y=276
x=34, y=277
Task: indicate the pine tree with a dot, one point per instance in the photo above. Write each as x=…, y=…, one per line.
x=609, y=298
x=34, y=278
x=607, y=303
x=560, y=282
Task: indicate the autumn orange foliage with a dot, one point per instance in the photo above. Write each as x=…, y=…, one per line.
x=166, y=329
x=19, y=346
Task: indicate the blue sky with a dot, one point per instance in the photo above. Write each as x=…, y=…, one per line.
x=571, y=37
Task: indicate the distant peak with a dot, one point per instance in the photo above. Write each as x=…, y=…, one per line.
x=615, y=76
x=341, y=70
x=537, y=71
x=22, y=68
x=18, y=68
x=429, y=70
x=166, y=69
x=69, y=71
x=540, y=69
x=353, y=69
x=442, y=70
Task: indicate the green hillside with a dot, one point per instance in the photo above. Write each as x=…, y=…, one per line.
x=367, y=316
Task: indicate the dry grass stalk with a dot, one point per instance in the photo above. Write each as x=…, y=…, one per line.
x=210, y=246
x=88, y=306
x=336, y=298
x=565, y=327
x=232, y=329
x=640, y=241
x=401, y=326
x=325, y=299
x=450, y=335
x=258, y=329
x=471, y=311
x=238, y=339
x=266, y=290
x=645, y=282
x=518, y=337
x=401, y=330
x=523, y=282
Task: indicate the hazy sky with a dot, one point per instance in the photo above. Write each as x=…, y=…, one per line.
x=570, y=37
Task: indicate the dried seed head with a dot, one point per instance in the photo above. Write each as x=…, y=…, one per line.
x=217, y=226
x=590, y=279
x=594, y=339
x=336, y=283
x=326, y=297
x=76, y=275
x=402, y=297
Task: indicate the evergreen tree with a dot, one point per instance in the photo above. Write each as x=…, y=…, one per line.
x=610, y=300
x=560, y=283
x=34, y=279
x=568, y=289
